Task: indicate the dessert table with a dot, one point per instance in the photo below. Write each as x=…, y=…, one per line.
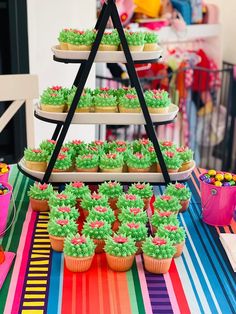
x=200, y=281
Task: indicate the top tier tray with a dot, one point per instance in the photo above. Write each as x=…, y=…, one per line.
x=71, y=56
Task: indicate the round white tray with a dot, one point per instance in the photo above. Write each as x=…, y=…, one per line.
x=101, y=176
x=106, y=56
x=110, y=118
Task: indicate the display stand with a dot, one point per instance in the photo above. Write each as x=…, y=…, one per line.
x=108, y=10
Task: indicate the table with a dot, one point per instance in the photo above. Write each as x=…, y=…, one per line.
x=200, y=281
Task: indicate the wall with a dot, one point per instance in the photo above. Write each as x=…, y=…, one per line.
x=45, y=20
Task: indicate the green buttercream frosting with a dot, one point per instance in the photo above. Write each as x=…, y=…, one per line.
x=64, y=212
x=111, y=189
x=52, y=98
x=159, y=218
x=104, y=100
x=178, y=190
x=135, y=230
x=111, y=38
x=40, y=191
x=87, y=161
x=78, y=189
x=144, y=190
x=63, y=35
x=167, y=203
x=120, y=92
x=185, y=154
x=62, y=199
x=159, y=248
x=85, y=101
x=152, y=154
x=48, y=145
x=135, y=38
x=139, y=160
x=151, y=38
x=167, y=145
x=97, y=229
x=172, y=160
x=78, y=246
x=129, y=101
x=77, y=145
x=129, y=200
x=63, y=161
x=130, y=214
x=139, y=145
x=35, y=154
x=104, y=213
x=175, y=233
x=95, y=199
x=158, y=99
x=111, y=161
x=77, y=37
x=104, y=90
x=120, y=245
x=62, y=227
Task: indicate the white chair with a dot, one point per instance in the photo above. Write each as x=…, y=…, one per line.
x=21, y=89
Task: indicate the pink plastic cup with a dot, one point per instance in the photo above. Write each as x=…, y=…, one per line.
x=4, y=206
x=218, y=204
x=5, y=176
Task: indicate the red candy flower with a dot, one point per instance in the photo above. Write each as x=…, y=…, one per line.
x=170, y=154
x=166, y=197
x=37, y=151
x=42, y=187
x=120, y=239
x=135, y=211
x=62, y=222
x=112, y=184
x=100, y=209
x=139, y=155
x=96, y=196
x=105, y=89
x=133, y=225
x=120, y=143
x=77, y=184
x=130, y=197
x=179, y=186
x=61, y=156
x=151, y=149
x=65, y=149
x=158, y=241
x=98, y=142
x=140, y=186
x=64, y=209
x=78, y=241
x=131, y=96
x=171, y=228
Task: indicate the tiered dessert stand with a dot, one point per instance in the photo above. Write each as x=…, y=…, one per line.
x=63, y=120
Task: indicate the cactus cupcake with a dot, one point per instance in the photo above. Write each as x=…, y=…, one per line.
x=84, y=104
x=167, y=203
x=78, y=253
x=141, y=144
x=80, y=40
x=120, y=251
x=129, y=103
x=135, y=40
x=110, y=41
x=144, y=190
x=78, y=189
x=62, y=199
x=77, y=145
x=158, y=101
x=157, y=254
x=129, y=200
x=138, y=162
x=48, y=146
x=58, y=229
x=172, y=161
x=167, y=145
x=111, y=163
x=112, y=190
x=175, y=234
x=105, y=103
x=134, y=214
x=186, y=156
x=182, y=193
x=98, y=231
x=64, y=212
x=87, y=163
x=53, y=102
x=104, y=213
x=91, y=200
x=63, y=38
x=120, y=92
x=135, y=230
x=39, y=195
x=63, y=163
x=163, y=217
x=150, y=41
x=36, y=159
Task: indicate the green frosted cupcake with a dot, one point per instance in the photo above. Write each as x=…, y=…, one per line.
x=135, y=40
x=104, y=213
x=105, y=103
x=151, y=40
x=111, y=189
x=186, y=156
x=48, y=145
x=62, y=199
x=129, y=200
x=135, y=230
x=35, y=159
x=144, y=190
x=77, y=145
x=167, y=145
x=141, y=144
x=167, y=203
x=85, y=103
x=159, y=218
x=64, y=212
x=110, y=41
x=39, y=195
x=63, y=38
x=53, y=102
x=120, y=92
x=87, y=163
x=81, y=40
x=91, y=200
x=129, y=103
x=78, y=189
x=111, y=162
x=79, y=246
x=172, y=161
x=158, y=101
x=138, y=162
x=182, y=193
x=134, y=214
x=63, y=163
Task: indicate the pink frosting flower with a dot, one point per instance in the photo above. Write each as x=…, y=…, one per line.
x=166, y=197
x=111, y=156
x=77, y=184
x=171, y=228
x=51, y=141
x=134, y=210
x=104, y=89
x=151, y=149
x=42, y=187
x=100, y=209
x=131, y=96
x=179, y=186
x=62, y=222
x=37, y=151
x=120, y=239
x=112, y=184
x=96, y=224
x=78, y=241
x=139, y=155
x=130, y=197
x=64, y=209
x=181, y=149
x=65, y=149
x=158, y=241
x=120, y=143
x=140, y=186
x=98, y=143
x=165, y=214
x=61, y=156
x=133, y=225
x=89, y=156
x=56, y=88
x=62, y=196
x=170, y=154
x=167, y=143
x=121, y=149
x=77, y=142
x=144, y=141
x=95, y=196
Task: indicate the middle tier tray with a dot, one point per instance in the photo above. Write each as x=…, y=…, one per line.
x=108, y=118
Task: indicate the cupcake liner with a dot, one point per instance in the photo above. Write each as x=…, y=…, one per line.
x=78, y=264
x=153, y=167
x=63, y=46
x=57, y=243
x=107, y=47
x=112, y=202
x=115, y=225
x=53, y=108
x=36, y=165
x=150, y=47
x=158, y=110
x=99, y=245
x=179, y=247
x=156, y=266
x=79, y=47
x=131, y=169
x=114, y=170
x=94, y=169
x=170, y=170
x=139, y=246
x=120, y=263
x=106, y=109
x=185, y=205
x=185, y=166
x=39, y=205
x=129, y=110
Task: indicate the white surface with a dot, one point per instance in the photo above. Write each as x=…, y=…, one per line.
x=107, y=56
x=111, y=118
x=228, y=241
x=101, y=176
x=45, y=20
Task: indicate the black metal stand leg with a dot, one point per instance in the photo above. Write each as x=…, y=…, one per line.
x=56, y=131
x=136, y=83
x=82, y=78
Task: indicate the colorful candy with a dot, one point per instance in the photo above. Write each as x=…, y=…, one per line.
x=212, y=173
x=228, y=176
x=218, y=183
x=219, y=178
x=3, y=189
x=3, y=168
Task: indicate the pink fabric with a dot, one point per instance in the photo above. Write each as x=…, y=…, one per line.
x=5, y=267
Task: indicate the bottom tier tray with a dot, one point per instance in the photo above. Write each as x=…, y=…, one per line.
x=90, y=177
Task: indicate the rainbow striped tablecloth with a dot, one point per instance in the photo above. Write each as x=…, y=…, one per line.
x=200, y=281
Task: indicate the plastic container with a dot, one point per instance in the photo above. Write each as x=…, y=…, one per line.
x=218, y=204
x=5, y=176
x=4, y=206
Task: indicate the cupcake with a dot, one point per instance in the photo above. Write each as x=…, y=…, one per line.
x=84, y=104
x=98, y=144
x=186, y=156
x=91, y=200
x=157, y=101
x=182, y=193
x=104, y=90
x=120, y=92
x=175, y=234
x=133, y=214
x=62, y=199
x=138, y=162
x=150, y=41
x=58, y=229
x=172, y=161
x=144, y=190
x=105, y=103
x=110, y=41
x=141, y=144
x=129, y=200
x=103, y=213
x=77, y=145
x=129, y=103
x=136, y=231
x=36, y=159
x=135, y=40
x=78, y=253
x=48, y=145
x=111, y=163
x=157, y=254
x=64, y=212
x=78, y=189
x=80, y=40
x=98, y=231
x=87, y=163
x=39, y=195
x=167, y=203
x=167, y=145
x=112, y=190
x=163, y=217
x=63, y=163
x=52, y=102
x=63, y=38
x=120, y=252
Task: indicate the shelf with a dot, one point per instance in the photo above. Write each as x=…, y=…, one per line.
x=96, y=177
x=70, y=56
x=107, y=118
